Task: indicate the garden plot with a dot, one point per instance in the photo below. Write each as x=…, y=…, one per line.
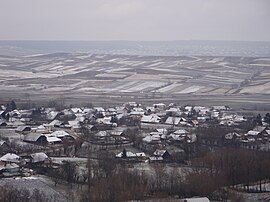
x=191, y=89
x=264, y=89
x=10, y=74
x=111, y=76
x=220, y=91
x=144, y=86
x=155, y=64
x=143, y=77
x=165, y=70
x=120, y=69
x=169, y=88
x=57, y=89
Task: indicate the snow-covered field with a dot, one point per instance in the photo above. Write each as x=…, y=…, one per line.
x=82, y=73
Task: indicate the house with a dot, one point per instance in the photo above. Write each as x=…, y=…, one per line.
x=10, y=158
x=152, y=118
x=166, y=156
x=52, y=115
x=10, y=170
x=159, y=106
x=62, y=135
x=57, y=123
x=162, y=131
x=3, y=124
x=220, y=108
x=38, y=157
x=53, y=139
x=181, y=132
x=92, y=127
x=131, y=156
x=173, y=111
x=41, y=129
x=173, y=120
x=152, y=139
x=4, y=147
x=22, y=129
x=36, y=138
x=76, y=110
x=201, y=199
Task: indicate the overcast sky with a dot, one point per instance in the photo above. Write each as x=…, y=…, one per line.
x=246, y=20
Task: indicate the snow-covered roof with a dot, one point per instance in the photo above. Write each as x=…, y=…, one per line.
x=191, y=138
x=74, y=123
x=160, y=152
x=55, y=123
x=151, y=138
x=99, y=109
x=202, y=199
x=219, y=108
x=76, y=110
x=32, y=137
x=173, y=120
x=10, y=157
x=188, y=108
x=259, y=129
x=51, y=139
x=101, y=134
x=177, y=137
x=39, y=157
x=128, y=153
x=2, y=142
x=180, y=132
x=23, y=128
x=156, y=158
x=59, y=133
x=252, y=132
x=51, y=115
x=153, y=118
x=161, y=130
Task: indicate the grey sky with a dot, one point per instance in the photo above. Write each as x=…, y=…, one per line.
x=247, y=20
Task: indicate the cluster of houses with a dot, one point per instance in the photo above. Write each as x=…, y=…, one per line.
x=12, y=165
x=167, y=132
x=256, y=139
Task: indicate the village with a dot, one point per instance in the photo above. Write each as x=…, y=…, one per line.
x=43, y=140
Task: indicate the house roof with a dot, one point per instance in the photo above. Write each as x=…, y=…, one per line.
x=10, y=157
x=101, y=134
x=160, y=152
x=51, y=139
x=259, y=129
x=22, y=128
x=156, y=158
x=202, y=199
x=180, y=132
x=252, y=132
x=52, y=114
x=2, y=142
x=161, y=130
x=128, y=153
x=55, y=122
x=173, y=120
x=153, y=118
x=152, y=138
x=76, y=110
x=32, y=137
x=38, y=157
x=59, y=133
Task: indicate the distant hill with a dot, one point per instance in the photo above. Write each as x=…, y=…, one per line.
x=145, y=48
